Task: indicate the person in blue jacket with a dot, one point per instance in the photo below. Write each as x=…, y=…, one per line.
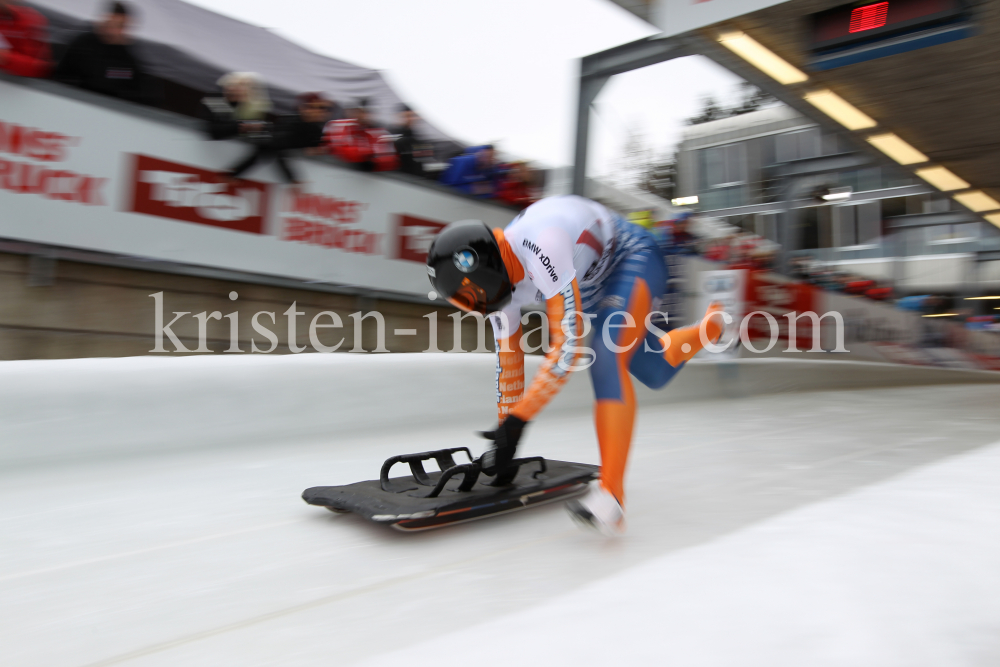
x=475, y=172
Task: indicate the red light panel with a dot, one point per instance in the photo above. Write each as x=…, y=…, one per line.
x=869, y=17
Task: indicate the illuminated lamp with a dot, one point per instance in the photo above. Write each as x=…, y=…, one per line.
x=977, y=200
x=762, y=58
x=839, y=109
x=994, y=218
x=869, y=17
x=942, y=179
x=897, y=149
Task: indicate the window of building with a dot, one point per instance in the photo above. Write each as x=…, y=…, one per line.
x=722, y=166
x=808, y=227
x=857, y=224
x=797, y=145
x=722, y=176
x=768, y=156
x=833, y=144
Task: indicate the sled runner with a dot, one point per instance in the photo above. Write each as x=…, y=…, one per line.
x=457, y=492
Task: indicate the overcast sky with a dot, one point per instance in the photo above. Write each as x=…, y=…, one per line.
x=501, y=71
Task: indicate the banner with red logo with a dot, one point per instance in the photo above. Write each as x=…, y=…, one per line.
x=180, y=192
x=86, y=176
x=414, y=236
x=779, y=296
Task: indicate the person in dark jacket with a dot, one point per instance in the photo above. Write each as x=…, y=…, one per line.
x=413, y=151
x=304, y=131
x=24, y=41
x=103, y=59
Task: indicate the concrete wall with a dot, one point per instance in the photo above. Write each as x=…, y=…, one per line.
x=65, y=309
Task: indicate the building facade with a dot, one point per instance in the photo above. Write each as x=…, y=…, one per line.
x=730, y=165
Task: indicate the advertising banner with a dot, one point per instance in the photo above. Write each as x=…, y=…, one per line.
x=778, y=297
x=728, y=288
x=84, y=176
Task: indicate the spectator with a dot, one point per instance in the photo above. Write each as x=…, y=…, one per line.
x=104, y=61
x=475, y=172
x=413, y=151
x=798, y=268
x=741, y=250
x=763, y=256
x=304, y=131
x=24, y=43
x=719, y=249
x=357, y=140
x=242, y=109
x=684, y=242
x=858, y=285
x=913, y=303
x=879, y=293
x=515, y=187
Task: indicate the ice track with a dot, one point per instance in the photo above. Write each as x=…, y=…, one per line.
x=848, y=527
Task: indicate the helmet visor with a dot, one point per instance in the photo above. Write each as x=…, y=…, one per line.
x=472, y=298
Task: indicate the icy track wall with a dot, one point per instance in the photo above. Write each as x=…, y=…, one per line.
x=60, y=411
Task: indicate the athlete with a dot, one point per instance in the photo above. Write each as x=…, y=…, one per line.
x=579, y=258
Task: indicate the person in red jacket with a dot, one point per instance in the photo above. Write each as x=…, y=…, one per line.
x=358, y=141
x=24, y=44
x=515, y=188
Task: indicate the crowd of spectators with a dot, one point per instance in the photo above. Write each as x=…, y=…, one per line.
x=744, y=250
x=103, y=60
x=740, y=250
x=834, y=280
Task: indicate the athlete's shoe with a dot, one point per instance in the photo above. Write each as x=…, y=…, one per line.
x=683, y=343
x=599, y=510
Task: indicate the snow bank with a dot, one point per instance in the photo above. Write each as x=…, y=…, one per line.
x=61, y=410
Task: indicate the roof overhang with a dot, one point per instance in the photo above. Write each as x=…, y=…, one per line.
x=941, y=99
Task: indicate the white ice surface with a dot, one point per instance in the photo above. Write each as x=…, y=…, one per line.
x=905, y=573
x=851, y=527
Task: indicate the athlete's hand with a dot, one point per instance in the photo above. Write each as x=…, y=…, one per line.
x=505, y=438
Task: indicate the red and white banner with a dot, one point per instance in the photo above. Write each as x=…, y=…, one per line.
x=179, y=192
x=779, y=296
x=414, y=237
x=84, y=176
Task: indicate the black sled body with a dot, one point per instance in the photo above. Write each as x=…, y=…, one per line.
x=458, y=493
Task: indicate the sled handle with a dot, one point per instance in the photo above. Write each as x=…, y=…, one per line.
x=471, y=471
x=507, y=475
x=443, y=457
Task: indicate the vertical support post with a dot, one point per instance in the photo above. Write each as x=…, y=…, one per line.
x=590, y=87
x=897, y=246
x=785, y=222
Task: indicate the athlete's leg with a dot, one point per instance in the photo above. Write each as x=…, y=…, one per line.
x=683, y=343
x=616, y=340
x=648, y=363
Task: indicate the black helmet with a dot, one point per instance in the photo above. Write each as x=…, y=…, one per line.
x=466, y=268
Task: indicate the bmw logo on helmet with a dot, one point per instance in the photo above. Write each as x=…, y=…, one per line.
x=466, y=260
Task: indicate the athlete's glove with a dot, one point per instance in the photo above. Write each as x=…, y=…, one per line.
x=505, y=438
